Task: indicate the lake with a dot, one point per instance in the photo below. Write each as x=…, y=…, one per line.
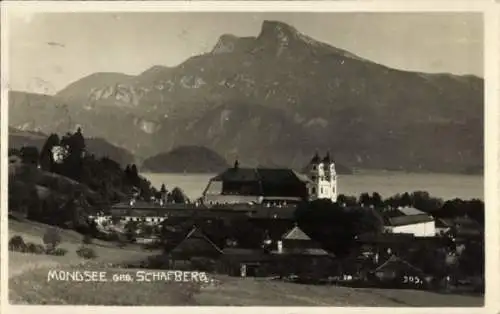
x=445, y=186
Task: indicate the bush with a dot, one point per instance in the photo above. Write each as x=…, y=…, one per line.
x=16, y=243
x=51, y=238
x=57, y=252
x=35, y=248
x=87, y=239
x=86, y=252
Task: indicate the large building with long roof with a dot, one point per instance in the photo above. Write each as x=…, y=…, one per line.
x=257, y=186
x=273, y=186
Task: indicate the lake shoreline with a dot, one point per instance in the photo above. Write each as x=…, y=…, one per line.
x=354, y=172
x=387, y=184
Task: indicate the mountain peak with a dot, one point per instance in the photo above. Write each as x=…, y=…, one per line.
x=277, y=30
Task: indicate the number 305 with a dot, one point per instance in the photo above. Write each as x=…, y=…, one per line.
x=412, y=279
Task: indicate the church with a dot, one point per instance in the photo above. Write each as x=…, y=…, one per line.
x=323, y=175
x=270, y=186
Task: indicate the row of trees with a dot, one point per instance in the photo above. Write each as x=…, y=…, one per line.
x=421, y=200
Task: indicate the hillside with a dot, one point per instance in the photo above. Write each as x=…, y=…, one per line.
x=97, y=146
x=274, y=99
x=25, y=180
x=186, y=159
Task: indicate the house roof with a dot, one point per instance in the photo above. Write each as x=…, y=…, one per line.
x=296, y=234
x=407, y=220
x=444, y=223
x=411, y=211
x=303, y=251
x=395, y=261
x=405, y=216
x=197, y=234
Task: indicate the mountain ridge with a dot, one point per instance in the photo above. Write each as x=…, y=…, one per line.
x=318, y=97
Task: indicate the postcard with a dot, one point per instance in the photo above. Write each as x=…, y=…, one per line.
x=294, y=157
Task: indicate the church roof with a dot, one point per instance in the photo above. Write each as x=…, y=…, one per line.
x=282, y=176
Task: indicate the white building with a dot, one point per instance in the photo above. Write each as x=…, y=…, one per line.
x=324, y=178
x=409, y=221
x=59, y=153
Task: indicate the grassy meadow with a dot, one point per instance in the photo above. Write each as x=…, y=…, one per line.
x=28, y=283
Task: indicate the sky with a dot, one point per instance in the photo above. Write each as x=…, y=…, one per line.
x=48, y=51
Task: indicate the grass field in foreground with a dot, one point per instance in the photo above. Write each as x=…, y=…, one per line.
x=107, y=252
x=28, y=283
x=33, y=288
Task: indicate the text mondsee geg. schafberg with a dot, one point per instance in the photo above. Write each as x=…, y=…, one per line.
x=127, y=276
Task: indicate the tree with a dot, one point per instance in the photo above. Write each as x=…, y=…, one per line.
x=73, y=164
x=365, y=199
x=405, y=200
x=30, y=155
x=346, y=200
x=163, y=193
x=178, y=196
x=376, y=200
x=333, y=225
x=423, y=201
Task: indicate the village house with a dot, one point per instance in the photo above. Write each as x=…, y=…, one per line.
x=296, y=253
x=398, y=273
x=409, y=220
x=195, y=246
x=443, y=226
x=292, y=253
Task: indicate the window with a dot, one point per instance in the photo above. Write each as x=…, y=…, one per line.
x=333, y=189
x=321, y=190
x=313, y=190
x=315, y=167
x=314, y=178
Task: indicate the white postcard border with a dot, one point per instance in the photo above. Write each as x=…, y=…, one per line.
x=492, y=133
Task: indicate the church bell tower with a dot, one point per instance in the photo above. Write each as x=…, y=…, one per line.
x=323, y=175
